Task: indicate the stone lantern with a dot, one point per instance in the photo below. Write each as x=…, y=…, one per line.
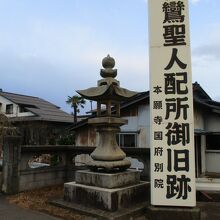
x=107, y=190
x=108, y=156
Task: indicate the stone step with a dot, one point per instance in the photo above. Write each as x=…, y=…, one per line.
x=106, y=199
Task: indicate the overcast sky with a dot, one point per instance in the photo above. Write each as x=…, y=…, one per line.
x=50, y=48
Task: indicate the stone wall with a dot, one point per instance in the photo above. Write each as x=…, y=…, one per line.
x=18, y=162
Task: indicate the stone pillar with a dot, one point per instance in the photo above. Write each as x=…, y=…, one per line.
x=70, y=167
x=146, y=172
x=11, y=164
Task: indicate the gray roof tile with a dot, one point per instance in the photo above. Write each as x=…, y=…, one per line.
x=43, y=109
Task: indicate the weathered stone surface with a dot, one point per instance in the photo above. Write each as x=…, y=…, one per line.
x=173, y=213
x=37, y=178
x=110, y=94
x=107, y=180
x=107, y=189
x=108, y=166
x=107, y=147
x=106, y=199
x=11, y=166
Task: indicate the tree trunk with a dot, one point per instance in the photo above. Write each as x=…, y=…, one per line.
x=75, y=113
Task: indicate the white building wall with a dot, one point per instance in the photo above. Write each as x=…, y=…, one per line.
x=212, y=122
x=141, y=125
x=16, y=112
x=144, y=125
x=212, y=161
x=199, y=122
x=132, y=124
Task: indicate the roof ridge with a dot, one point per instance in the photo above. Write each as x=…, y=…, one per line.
x=19, y=94
x=29, y=96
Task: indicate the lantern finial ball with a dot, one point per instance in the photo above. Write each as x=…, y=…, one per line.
x=108, y=62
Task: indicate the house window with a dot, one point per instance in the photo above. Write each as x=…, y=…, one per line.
x=9, y=109
x=213, y=142
x=127, y=139
x=22, y=109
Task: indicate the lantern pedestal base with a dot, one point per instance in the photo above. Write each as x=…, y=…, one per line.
x=91, y=189
x=107, y=196
x=173, y=213
x=107, y=180
x=108, y=166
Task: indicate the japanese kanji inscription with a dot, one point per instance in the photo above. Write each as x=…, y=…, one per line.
x=171, y=104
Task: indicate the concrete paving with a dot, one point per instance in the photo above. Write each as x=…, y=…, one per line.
x=13, y=212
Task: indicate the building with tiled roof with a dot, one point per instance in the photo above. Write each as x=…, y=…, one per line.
x=39, y=121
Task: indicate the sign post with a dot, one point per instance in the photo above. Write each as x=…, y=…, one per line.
x=171, y=104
